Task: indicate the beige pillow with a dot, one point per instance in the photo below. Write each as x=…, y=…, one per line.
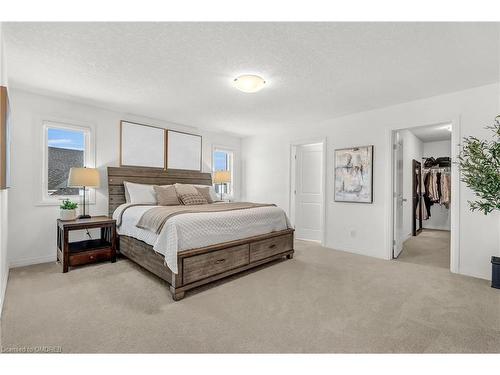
x=205, y=191
x=189, y=195
x=166, y=195
x=185, y=189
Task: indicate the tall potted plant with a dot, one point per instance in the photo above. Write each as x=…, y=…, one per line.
x=480, y=166
x=479, y=161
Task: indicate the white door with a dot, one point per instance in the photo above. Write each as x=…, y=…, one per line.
x=309, y=192
x=398, y=196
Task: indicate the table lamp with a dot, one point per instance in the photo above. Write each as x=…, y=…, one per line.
x=83, y=178
x=222, y=177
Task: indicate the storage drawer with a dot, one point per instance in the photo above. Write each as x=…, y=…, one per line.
x=271, y=246
x=204, y=265
x=89, y=257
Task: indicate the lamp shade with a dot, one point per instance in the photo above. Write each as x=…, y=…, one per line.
x=79, y=177
x=222, y=177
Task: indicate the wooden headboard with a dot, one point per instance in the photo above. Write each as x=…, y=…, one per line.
x=116, y=176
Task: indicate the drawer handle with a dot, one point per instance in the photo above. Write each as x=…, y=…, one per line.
x=272, y=246
x=219, y=261
x=92, y=257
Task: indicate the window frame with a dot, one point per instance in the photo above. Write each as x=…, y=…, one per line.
x=89, y=160
x=230, y=194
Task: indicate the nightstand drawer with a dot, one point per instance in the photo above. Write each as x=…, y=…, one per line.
x=90, y=257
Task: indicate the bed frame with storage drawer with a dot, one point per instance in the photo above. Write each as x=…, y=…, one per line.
x=199, y=266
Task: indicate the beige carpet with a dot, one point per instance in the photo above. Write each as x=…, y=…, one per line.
x=321, y=301
x=430, y=247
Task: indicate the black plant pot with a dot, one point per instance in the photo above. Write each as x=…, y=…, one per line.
x=495, y=272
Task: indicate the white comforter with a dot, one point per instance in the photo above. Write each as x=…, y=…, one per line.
x=193, y=230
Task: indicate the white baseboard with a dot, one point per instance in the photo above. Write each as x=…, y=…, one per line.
x=357, y=252
x=436, y=227
x=3, y=291
x=30, y=261
x=476, y=275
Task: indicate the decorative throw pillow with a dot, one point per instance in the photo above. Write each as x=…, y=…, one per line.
x=185, y=189
x=139, y=193
x=211, y=191
x=192, y=199
x=166, y=195
x=205, y=191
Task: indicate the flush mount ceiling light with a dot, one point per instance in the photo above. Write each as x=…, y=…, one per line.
x=249, y=83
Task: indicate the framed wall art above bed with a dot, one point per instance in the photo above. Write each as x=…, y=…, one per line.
x=183, y=151
x=142, y=145
x=354, y=175
x=154, y=147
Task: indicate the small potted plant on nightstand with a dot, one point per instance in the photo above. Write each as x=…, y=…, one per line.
x=68, y=210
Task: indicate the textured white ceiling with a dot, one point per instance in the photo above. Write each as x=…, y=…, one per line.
x=432, y=133
x=182, y=72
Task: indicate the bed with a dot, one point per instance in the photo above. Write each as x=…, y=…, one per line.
x=209, y=247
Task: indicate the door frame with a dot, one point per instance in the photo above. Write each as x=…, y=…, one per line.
x=293, y=177
x=454, y=121
x=397, y=150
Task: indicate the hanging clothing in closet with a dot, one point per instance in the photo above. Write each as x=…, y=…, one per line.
x=446, y=189
x=437, y=187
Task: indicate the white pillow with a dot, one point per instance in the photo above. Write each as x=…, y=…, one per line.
x=215, y=197
x=139, y=193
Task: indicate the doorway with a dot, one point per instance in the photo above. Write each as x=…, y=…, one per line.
x=307, y=201
x=424, y=183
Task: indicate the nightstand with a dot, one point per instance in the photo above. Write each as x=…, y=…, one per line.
x=71, y=254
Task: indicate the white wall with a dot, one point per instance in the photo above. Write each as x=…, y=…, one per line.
x=437, y=149
x=363, y=228
x=412, y=150
x=32, y=227
x=440, y=215
x=4, y=267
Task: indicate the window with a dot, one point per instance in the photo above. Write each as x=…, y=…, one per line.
x=65, y=146
x=223, y=161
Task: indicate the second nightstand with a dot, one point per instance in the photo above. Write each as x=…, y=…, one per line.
x=88, y=251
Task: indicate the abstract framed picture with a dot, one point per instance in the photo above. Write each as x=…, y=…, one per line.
x=354, y=175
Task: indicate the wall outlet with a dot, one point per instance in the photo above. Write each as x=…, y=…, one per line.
x=352, y=233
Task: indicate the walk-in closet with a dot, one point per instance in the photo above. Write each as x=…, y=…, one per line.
x=423, y=200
